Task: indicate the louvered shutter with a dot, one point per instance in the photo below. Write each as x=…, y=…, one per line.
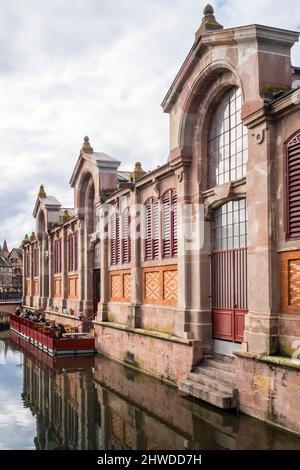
x=169, y=224
x=113, y=240
x=174, y=227
x=76, y=251
x=59, y=255
x=294, y=187
x=118, y=243
x=155, y=230
x=70, y=253
x=148, y=241
x=166, y=225
x=126, y=242
x=152, y=230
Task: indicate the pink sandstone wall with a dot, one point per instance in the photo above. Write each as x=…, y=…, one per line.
x=167, y=359
x=269, y=392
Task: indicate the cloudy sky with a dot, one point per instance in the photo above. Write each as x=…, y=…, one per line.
x=98, y=67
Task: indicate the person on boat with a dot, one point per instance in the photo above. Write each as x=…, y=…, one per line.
x=18, y=312
x=61, y=330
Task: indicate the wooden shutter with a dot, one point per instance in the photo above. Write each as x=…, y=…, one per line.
x=59, y=255
x=148, y=241
x=169, y=224
x=70, y=253
x=76, y=251
x=118, y=244
x=293, y=173
x=152, y=229
x=126, y=241
x=115, y=257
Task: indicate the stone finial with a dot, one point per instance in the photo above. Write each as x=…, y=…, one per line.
x=209, y=22
x=66, y=216
x=42, y=193
x=32, y=237
x=138, y=172
x=26, y=240
x=86, y=146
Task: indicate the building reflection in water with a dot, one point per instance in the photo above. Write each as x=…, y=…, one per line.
x=95, y=403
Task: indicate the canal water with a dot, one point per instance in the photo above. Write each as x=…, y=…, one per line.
x=96, y=403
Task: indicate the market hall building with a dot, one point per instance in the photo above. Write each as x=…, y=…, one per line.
x=222, y=321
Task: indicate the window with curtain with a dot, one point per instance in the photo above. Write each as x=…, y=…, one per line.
x=227, y=140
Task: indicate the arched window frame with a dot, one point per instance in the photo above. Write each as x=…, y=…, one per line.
x=293, y=187
x=227, y=140
x=169, y=224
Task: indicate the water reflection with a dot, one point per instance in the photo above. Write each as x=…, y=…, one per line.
x=99, y=404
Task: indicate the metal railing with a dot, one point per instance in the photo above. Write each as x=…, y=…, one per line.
x=10, y=297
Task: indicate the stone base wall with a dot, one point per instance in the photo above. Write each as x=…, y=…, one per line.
x=269, y=389
x=155, y=353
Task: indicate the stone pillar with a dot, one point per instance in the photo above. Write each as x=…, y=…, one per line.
x=136, y=274
x=50, y=276
x=88, y=267
x=194, y=313
x=261, y=333
x=64, y=268
x=104, y=280
x=81, y=264
x=31, y=275
x=43, y=275
x=24, y=267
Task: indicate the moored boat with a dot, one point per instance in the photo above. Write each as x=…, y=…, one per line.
x=42, y=337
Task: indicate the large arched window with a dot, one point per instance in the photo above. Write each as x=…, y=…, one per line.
x=227, y=141
x=293, y=187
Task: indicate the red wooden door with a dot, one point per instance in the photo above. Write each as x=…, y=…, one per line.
x=229, y=294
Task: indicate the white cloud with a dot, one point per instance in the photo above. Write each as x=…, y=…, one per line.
x=70, y=68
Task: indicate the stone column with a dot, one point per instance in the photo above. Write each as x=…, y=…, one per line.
x=31, y=275
x=136, y=274
x=261, y=333
x=64, y=268
x=24, y=267
x=87, y=270
x=104, y=279
x=50, y=277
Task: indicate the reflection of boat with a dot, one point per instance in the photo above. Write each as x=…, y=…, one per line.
x=39, y=335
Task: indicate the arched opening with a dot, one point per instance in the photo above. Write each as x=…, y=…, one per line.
x=90, y=257
x=227, y=140
x=229, y=271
